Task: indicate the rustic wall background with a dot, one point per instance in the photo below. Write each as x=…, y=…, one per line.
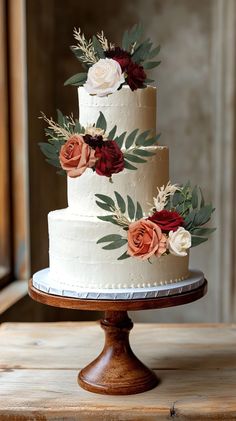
x=196, y=90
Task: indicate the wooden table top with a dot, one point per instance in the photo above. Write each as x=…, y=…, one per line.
x=39, y=364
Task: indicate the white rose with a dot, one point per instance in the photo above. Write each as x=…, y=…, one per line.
x=179, y=241
x=104, y=77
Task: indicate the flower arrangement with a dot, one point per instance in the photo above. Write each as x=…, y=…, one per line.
x=108, y=67
x=175, y=223
x=73, y=149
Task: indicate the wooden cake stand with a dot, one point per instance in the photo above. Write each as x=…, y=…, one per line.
x=117, y=371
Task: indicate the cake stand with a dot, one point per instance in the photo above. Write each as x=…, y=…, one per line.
x=117, y=371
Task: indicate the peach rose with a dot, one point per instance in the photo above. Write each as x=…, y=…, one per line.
x=145, y=239
x=76, y=156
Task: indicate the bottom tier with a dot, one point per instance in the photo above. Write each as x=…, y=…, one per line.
x=76, y=259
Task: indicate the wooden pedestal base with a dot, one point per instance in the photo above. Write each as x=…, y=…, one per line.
x=117, y=371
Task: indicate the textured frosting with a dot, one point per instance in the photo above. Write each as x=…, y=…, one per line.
x=76, y=259
x=126, y=109
x=141, y=185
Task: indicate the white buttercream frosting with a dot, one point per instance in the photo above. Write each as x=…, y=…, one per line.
x=75, y=256
x=76, y=259
x=125, y=109
x=141, y=184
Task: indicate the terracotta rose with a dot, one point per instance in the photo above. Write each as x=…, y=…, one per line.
x=145, y=239
x=76, y=156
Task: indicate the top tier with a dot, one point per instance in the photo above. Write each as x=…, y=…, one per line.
x=126, y=109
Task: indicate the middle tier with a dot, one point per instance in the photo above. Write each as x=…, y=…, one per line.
x=140, y=184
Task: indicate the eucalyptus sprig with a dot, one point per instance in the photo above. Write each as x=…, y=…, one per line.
x=89, y=51
x=190, y=204
x=142, y=52
x=57, y=134
x=122, y=213
x=134, y=145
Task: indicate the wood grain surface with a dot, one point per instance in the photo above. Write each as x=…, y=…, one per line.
x=11, y=294
x=117, y=370
x=195, y=363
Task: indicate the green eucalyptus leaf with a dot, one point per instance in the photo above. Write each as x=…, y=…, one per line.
x=125, y=41
x=76, y=80
x=143, y=152
x=104, y=206
x=115, y=245
x=177, y=198
x=132, y=36
x=139, y=212
x=197, y=240
x=202, y=204
x=49, y=150
x=60, y=118
x=120, y=202
x=109, y=238
x=151, y=64
x=130, y=139
x=101, y=122
x=108, y=218
x=128, y=166
x=203, y=231
x=134, y=158
x=78, y=127
x=168, y=205
x=181, y=208
x=106, y=199
x=53, y=162
x=142, y=51
x=98, y=48
x=153, y=53
x=125, y=255
x=136, y=32
x=112, y=133
x=189, y=219
x=203, y=215
x=131, y=208
x=120, y=139
x=152, y=141
x=186, y=187
x=195, y=198
x=141, y=139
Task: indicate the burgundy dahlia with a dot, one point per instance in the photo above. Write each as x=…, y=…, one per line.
x=121, y=56
x=110, y=159
x=135, y=76
x=167, y=220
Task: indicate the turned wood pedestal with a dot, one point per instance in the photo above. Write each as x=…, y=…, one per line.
x=117, y=371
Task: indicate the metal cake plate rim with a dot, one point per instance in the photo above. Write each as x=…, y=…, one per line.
x=42, y=282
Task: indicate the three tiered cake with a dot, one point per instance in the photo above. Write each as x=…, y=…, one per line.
x=117, y=174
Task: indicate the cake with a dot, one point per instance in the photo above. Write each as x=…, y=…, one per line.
x=170, y=217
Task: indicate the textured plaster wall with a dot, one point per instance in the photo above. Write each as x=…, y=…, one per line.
x=185, y=118
x=187, y=94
